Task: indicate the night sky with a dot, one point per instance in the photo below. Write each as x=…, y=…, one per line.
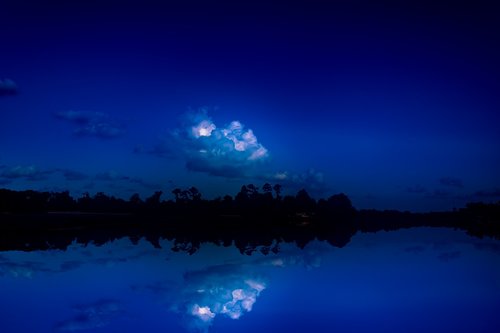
x=396, y=104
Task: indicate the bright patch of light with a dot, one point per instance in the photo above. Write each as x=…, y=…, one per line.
x=239, y=145
x=255, y=285
x=238, y=294
x=235, y=126
x=278, y=262
x=230, y=302
x=203, y=312
x=212, y=149
x=248, y=303
x=249, y=137
x=261, y=152
x=281, y=176
x=246, y=141
x=204, y=128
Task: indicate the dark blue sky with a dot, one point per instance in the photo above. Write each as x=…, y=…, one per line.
x=395, y=104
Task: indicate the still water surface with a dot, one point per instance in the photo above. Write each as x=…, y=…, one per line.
x=415, y=280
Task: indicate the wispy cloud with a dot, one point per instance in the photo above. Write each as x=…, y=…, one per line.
x=451, y=182
x=114, y=177
x=111, y=179
x=7, y=87
x=448, y=256
x=417, y=189
x=312, y=180
x=96, y=124
x=91, y=316
x=440, y=193
x=163, y=149
x=72, y=175
x=34, y=173
x=491, y=193
x=30, y=173
x=111, y=176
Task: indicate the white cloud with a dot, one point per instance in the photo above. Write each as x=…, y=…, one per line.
x=232, y=142
x=217, y=150
x=217, y=291
x=229, y=298
x=230, y=151
x=261, y=152
x=204, y=128
x=202, y=312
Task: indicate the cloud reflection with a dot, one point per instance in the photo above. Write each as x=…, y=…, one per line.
x=91, y=316
x=224, y=290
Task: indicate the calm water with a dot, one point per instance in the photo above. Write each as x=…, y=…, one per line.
x=417, y=280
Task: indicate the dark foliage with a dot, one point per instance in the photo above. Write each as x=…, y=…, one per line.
x=32, y=220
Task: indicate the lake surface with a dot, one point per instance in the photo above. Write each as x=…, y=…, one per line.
x=414, y=280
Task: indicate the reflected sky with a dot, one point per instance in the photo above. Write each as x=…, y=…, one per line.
x=414, y=280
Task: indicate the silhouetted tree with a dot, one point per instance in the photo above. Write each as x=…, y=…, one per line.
x=135, y=202
x=277, y=189
x=253, y=191
x=154, y=200
x=289, y=205
x=304, y=202
x=194, y=194
x=60, y=201
x=84, y=202
x=101, y=202
x=177, y=192
x=135, y=199
x=340, y=202
x=242, y=195
x=227, y=205
x=268, y=192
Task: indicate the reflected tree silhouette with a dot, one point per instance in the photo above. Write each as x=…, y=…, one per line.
x=32, y=220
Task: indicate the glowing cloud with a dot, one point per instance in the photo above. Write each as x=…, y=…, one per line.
x=202, y=312
x=204, y=128
x=261, y=152
x=232, y=139
x=227, y=151
x=222, y=290
x=232, y=300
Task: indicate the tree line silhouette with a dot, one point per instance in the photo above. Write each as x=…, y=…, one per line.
x=252, y=218
x=249, y=201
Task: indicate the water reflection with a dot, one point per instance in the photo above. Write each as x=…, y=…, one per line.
x=396, y=281
x=226, y=290
x=91, y=316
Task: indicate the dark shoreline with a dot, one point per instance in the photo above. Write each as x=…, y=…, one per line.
x=58, y=230
x=31, y=220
